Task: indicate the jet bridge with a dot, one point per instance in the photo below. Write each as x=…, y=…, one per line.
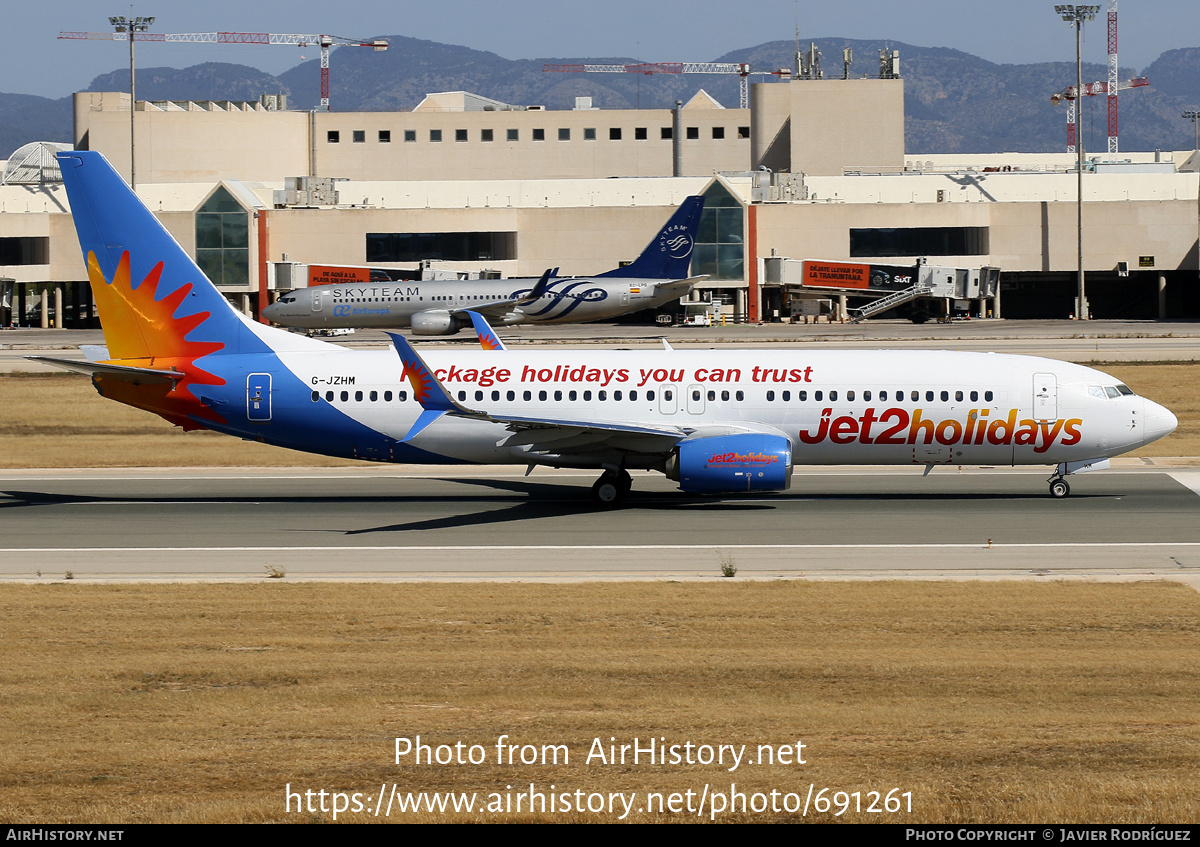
x=886, y=287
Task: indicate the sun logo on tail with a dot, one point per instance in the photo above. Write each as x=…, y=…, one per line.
x=145, y=332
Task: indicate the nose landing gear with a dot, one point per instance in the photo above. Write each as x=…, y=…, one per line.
x=1059, y=487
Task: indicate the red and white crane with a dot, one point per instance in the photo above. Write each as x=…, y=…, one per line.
x=322, y=41
x=1092, y=89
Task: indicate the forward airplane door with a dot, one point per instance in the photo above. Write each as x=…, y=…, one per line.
x=258, y=397
x=1045, y=397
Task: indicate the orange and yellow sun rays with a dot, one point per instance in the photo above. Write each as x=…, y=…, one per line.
x=141, y=331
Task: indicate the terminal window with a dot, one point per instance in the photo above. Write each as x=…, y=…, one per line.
x=485, y=135
x=639, y=133
x=460, y=135
x=410, y=135
x=589, y=134
x=360, y=136
x=614, y=133
x=718, y=132
x=333, y=136
x=743, y=132
x=435, y=135
x=693, y=132
x=720, y=248
x=514, y=135
x=223, y=240
x=385, y=136
x=442, y=246
x=25, y=250
x=919, y=241
x=539, y=135
x=564, y=133
x=665, y=133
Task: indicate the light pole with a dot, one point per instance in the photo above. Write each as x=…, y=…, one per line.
x=1193, y=115
x=1077, y=15
x=131, y=25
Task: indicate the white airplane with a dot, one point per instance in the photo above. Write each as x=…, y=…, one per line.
x=713, y=420
x=658, y=276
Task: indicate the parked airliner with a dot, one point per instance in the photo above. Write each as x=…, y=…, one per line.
x=713, y=420
x=658, y=276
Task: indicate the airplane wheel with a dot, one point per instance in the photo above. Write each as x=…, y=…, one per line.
x=1059, y=489
x=610, y=489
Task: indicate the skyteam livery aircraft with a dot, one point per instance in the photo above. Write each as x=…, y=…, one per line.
x=658, y=276
x=713, y=420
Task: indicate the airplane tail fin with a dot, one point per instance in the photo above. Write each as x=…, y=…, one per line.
x=669, y=254
x=155, y=304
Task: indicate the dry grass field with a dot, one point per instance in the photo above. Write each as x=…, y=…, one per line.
x=989, y=702
x=60, y=421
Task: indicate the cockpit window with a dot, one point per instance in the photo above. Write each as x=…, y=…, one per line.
x=1112, y=392
x=1125, y=390
x=1097, y=391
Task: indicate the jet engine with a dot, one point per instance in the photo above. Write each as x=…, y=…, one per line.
x=436, y=322
x=729, y=463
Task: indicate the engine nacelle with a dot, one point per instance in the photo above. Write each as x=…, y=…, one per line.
x=729, y=463
x=435, y=322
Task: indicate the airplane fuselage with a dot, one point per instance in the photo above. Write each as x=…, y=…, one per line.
x=393, y=304
x=843, y=407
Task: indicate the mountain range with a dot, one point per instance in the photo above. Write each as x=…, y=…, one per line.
x=955, y=102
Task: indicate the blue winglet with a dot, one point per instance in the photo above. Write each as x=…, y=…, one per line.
x=488, y=339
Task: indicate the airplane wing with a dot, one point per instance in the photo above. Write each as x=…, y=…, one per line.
x=500, y=308
x=436, y=401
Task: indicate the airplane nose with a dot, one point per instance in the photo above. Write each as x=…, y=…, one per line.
x=1159, y=421
x=272, y=311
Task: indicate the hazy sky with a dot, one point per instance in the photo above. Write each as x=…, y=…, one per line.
x=34, y=61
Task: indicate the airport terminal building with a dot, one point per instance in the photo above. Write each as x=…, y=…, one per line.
x=814, y=169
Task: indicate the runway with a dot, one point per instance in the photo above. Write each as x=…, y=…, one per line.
x=406, y=523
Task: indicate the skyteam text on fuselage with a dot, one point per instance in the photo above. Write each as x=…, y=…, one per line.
x=714, y=420
x=439, y=307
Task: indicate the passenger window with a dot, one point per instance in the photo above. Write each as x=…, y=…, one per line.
x=867, y=396
x=832, y=396
x=987, y=396
x=374, y=396
x=478, y=396
x=587, y=396
x=616, y=395
x=740, y=396
x=345, y=396
x=495, y=395
x=958, y=395
x=787, y=395
x=316, y=395
x=974, y=396
x=402, y=396
x=512, y=395
x=462, y=395
x=527, y=396
x=649, y=395
x=696, y=394
x=928, y=396
x=945, y=396
x=602, y=395
x=850, y=396
x=724, y=396
x=542, y=395
x=668, y=395
x=387, y=396
x=632, y=395
x=557, y=396
x=712, y=395
x=770, y=396
x=572, y=395
x=817, y=395
x=802, y=396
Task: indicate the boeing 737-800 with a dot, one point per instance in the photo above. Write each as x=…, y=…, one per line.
x=658, y=276
x=713, y=420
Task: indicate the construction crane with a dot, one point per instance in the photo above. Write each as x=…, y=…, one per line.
x=1113, y=86
x=323, y=41
x=740, y=68
x=1092, y=89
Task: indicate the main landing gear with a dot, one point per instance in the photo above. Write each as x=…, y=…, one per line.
x=612, y=486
